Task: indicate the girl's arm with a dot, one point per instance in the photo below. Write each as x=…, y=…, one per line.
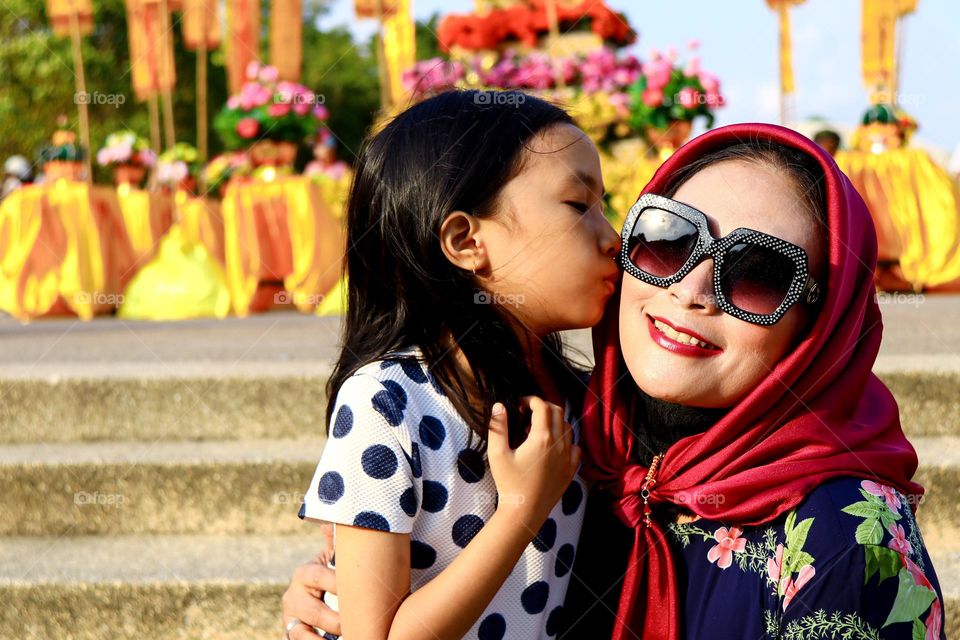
x=373, y=567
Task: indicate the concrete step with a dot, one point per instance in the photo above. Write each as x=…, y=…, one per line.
x=179, y=587
x=256, y=486
x=253, y=400
x=166, y=587
x=161, y=487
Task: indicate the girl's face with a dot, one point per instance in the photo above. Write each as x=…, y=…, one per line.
x=549, y=251
x=732, y=194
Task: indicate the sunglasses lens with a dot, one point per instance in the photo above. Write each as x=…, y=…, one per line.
x=661, y=242
x=756, y=279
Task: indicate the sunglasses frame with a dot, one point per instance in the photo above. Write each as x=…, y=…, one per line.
x=804, y=288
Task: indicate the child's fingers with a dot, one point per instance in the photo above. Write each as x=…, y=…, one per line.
x=498, y=441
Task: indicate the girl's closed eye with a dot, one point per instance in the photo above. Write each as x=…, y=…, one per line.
x=582, y=207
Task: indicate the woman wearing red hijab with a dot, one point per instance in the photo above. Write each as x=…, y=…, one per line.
x=750, y=475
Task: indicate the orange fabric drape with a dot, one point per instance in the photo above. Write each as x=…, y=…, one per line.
x=201, y=17
x=151, y=49
x=243, y=40
x=286, y=38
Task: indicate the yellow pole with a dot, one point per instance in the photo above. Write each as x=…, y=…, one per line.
x=168, y=130
x=202, y=92
x=81, y=88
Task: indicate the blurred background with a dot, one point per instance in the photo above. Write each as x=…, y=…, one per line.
x=171, y=249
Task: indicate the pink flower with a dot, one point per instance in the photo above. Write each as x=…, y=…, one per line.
x=658, y=73
x=301, y=107
x=693, y=67
x=688, y=97
x=775, y=565
x=899, y=543
x=278, y=109
x=728, y=542
x=709, y=82
x=268, y=74
x=253, y=68
x=882, y=491
x=671, y=53
x=233, y=102
x=693, y=45
x=248, y=127
x=653, y=97
x=791, y=587
x=320, y=112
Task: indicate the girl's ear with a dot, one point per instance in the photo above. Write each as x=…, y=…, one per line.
x=460, y=241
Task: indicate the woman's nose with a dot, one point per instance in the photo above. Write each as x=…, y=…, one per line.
x=695, y=290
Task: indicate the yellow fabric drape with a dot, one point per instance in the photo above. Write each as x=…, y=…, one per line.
x=151, y=49
x=201, y=19
x=201, y=221
x=286, y=38
x=146, y=217
x=183, y=281
x=782, y=7
x=879, y=45
x=281, y=230
x=243, y=40
x=399, y=47
x=62, y=246
x=916, y=210
x=59, y=13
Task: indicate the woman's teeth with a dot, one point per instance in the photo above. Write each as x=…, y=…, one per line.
x=679, y=336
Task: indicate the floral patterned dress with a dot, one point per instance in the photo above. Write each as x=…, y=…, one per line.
x=848, y=562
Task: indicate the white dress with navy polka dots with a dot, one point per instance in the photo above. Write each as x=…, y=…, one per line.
x=397, y=460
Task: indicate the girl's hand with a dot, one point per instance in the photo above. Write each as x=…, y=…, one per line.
x=532, y=478
x=303, y=599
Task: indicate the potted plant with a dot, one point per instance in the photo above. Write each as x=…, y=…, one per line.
x=63, y=157
x=667, y=97
x=177, y=168
x=269, y=117
x=128, y=154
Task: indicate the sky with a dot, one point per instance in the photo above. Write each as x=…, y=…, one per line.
x=739, y=42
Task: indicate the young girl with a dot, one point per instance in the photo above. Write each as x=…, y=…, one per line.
x=475, y=234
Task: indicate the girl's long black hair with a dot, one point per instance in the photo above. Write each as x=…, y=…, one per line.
x=454, y=151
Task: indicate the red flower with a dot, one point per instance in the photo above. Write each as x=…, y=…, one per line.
x=248, y=127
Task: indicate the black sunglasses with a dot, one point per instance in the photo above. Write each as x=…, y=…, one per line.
x=756, y=277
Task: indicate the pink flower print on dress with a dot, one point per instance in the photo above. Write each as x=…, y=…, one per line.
x=728, y=542
x=899, y=543
x=882, y=491
x=792, y=586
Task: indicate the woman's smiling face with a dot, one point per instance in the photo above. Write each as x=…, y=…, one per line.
x=732, y=194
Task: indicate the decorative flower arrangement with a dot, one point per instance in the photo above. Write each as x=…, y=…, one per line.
x=268, y=108
x=612, y=95
x=527, y=23
x=178, y=167
x=218, y=172
x=126, y=148
x=667, y=92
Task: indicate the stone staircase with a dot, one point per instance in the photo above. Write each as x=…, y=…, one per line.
x=150, y=474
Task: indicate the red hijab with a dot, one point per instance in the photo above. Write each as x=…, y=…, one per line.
x=820, y=414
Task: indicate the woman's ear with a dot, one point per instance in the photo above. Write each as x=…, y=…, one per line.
x=460, y=241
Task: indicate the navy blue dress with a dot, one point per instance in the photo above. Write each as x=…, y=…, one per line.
x=848, y=562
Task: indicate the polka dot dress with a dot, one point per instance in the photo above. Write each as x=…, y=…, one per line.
x=397, y=460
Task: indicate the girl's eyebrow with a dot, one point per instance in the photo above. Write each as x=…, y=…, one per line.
x=582, y=178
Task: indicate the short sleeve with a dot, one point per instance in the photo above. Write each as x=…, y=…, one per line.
x=366, y=477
